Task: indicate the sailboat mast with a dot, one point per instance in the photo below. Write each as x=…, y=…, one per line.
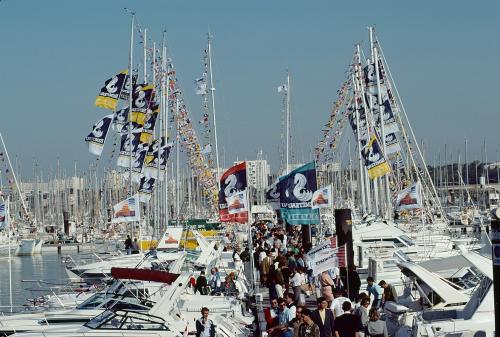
x=287, y=93
x=212, y=95
x=23, y=202
x=381, y=117
x=164, y=96
x=177, y=167
x=130, y=100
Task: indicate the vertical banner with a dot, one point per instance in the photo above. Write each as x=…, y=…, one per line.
x=146, y=187
x=233, y=181
x=296, y=190
x=109, y=94
x=97, y=137
x=374, y=159
x=273, y=195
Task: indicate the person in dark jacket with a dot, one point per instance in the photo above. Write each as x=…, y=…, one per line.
x=324, y=319
x=201, y=284
x=354, y=284
x=204, y=326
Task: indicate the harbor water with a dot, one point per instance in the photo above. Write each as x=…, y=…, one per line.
x=26, y=272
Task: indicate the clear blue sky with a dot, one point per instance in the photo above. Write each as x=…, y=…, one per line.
x=55, y=56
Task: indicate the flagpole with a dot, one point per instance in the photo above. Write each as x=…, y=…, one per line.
x=177, y=167
x=212, y=95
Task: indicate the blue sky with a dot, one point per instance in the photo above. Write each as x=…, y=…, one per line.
x=55, y=56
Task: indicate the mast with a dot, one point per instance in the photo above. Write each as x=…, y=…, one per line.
x=361, y=176
x=212, y=95
x=287, y=95
x=177, y=167
x=7, y=216
x=130, y=99
x=164, y=97
x=381, y=118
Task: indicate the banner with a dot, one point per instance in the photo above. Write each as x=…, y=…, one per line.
x=109, y=94
x=325, y=245
x=4, y=209
x=127, y=210
x=120, y=119
x=233, y=181
x=237, y=203
x=128, y=148
x=98, y=135
x=324, y=260
x=170, y=239
x=138, y=162
x=142, y=101
x=146, y=187
x=296, y=191
x=273, y=195
x=322, y=198
x=374, y=160
x=410, y=198
x=151, y=164
x=148, y=128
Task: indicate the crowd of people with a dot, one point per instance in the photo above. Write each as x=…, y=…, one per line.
x=280, y=256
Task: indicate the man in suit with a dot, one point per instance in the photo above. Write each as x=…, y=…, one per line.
x=323, y=317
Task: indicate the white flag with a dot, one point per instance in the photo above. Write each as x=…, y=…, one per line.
x=322, y=198
x=410, y=197
x=127, y=210
x=282, y=88
x=207, y=149
x=324, y=260
x=237, y=203
x=201, y=86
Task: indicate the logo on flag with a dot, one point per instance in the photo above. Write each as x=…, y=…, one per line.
x=322, y=198
x=410, y=198
x=237, y=203
x=232, y=182
x=127, y=210
x=98, y=135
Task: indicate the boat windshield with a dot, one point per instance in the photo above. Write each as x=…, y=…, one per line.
x=126, y=320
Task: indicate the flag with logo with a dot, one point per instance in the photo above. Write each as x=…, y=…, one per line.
x=237, y=203
x=128, y=147
x=410, y=198
x=156, y=158
x=142, y=101
x=127, y=210
x=120, y=119
x=375, y=162
x=138, y=161
x=296, y=190
x=233, y=181
x=149, y=127
x=273, y=195
x=109, y=94
x=322, y=198
x=146, y=187
x=97, y=137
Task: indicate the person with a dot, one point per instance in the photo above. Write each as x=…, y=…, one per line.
x=128, y=245
x=376, y=327
x=309, y=328
x=201, y=284
x=135, y=247
x=230, y=286
x=265, y=266
x=347, y=324
x=204, y=326
x=323, y=317
x=362, y=313
x=326, y=286
x=290, y=303
x=297, y=321
x=354, y=284
x=337, y=304
x=297, y=281
x=284, y=319
x=215, y=281
x=376, y=291
x=245, y=255
x=271, y=315
x=390, y=293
